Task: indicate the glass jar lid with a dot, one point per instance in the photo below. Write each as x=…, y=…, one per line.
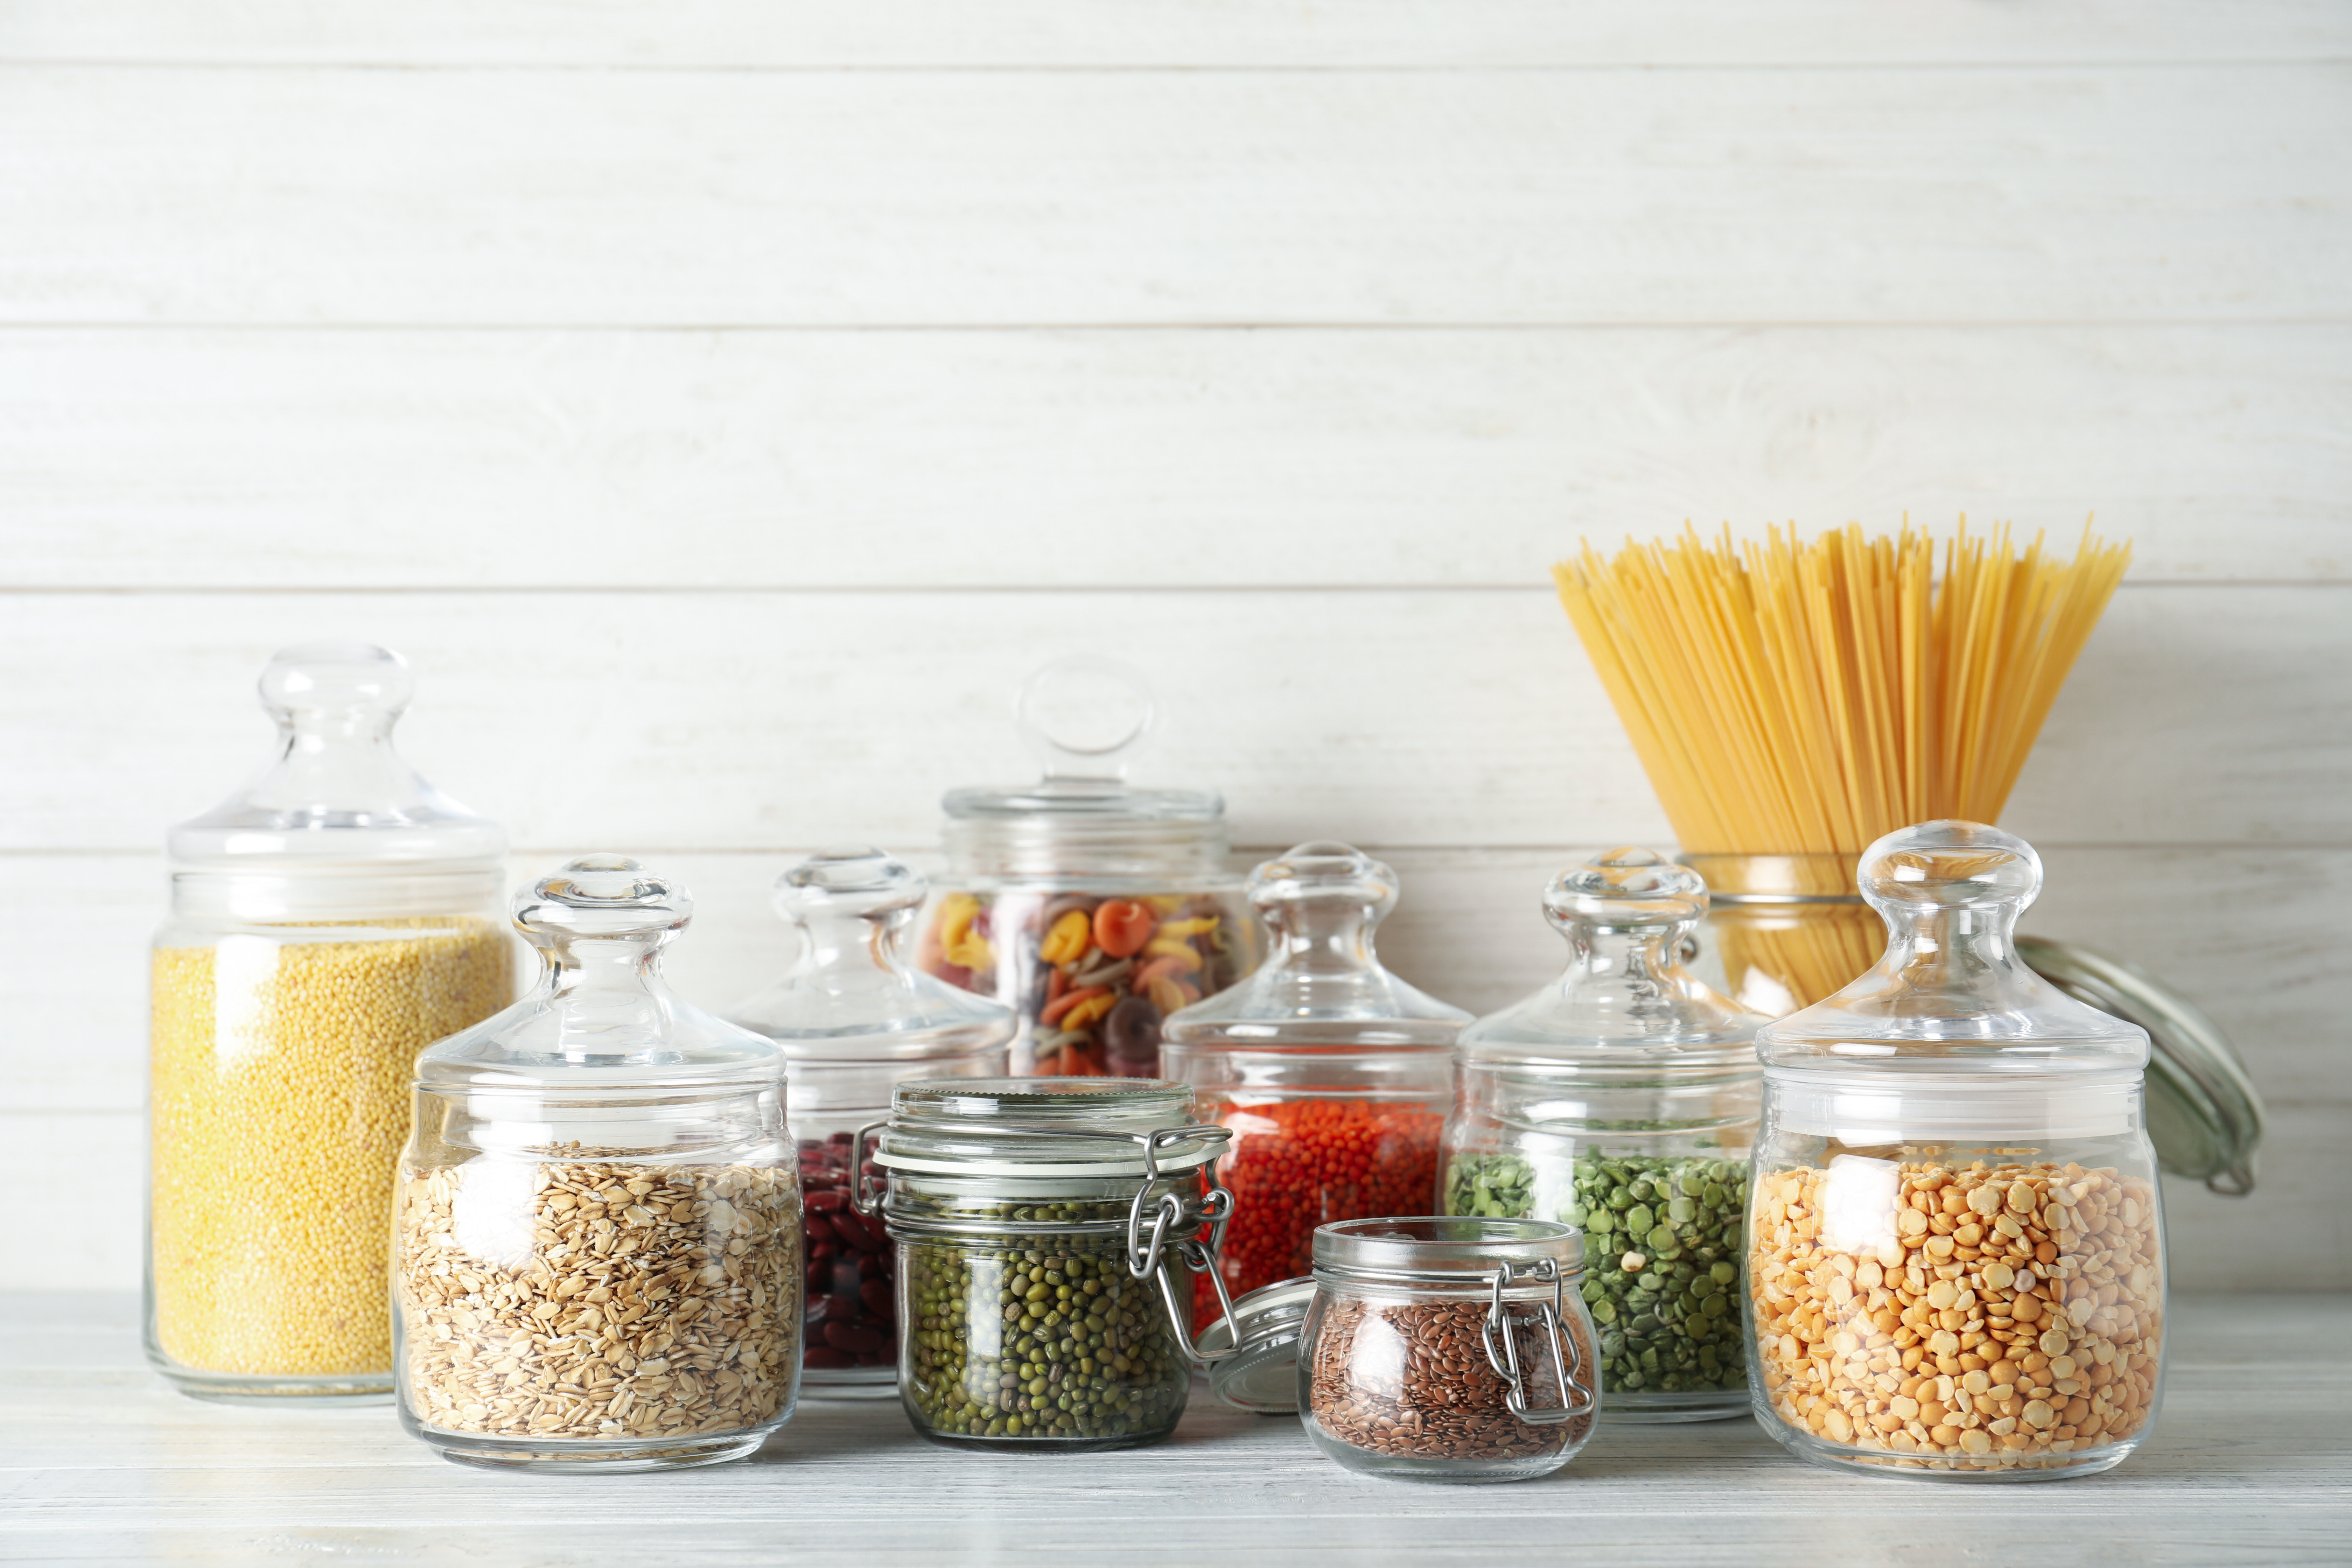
x=1086, y=719
x=1626, y=997
x=1261, y=1375
x=1452, y=1252
x=601, y=1018
x=1323, y=985
x=1046, y=1128
x=2204, y=1114
x=851, y=996
x=1951, y=1001
x=338, y=795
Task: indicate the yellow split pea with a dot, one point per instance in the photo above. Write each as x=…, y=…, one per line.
x=1999, y=1316
x=280, y=1101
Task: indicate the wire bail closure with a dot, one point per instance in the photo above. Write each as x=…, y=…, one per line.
x=1143, y=1250
x=1567, y=1353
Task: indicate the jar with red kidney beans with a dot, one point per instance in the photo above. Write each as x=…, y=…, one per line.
x=854, y=1021
x=1092, y=909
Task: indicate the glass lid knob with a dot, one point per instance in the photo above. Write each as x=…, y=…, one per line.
x=1950, y=865
x=602, y=897
x=1322, y=889
x=1626, y=888
x=1086, y=718
x=859, y=883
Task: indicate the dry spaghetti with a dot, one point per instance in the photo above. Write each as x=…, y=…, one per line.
x=1802, y=699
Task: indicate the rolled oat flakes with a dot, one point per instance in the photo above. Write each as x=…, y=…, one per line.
x=587, y=1298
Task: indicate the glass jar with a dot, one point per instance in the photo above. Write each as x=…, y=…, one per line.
x=1621, y=1098
x=327, y=924
x=1090, y=908
x=1956, y=1263
x=1039, y=1223
x=1448, y=1350
x=596, y=1256
x=1331, y=1074
x=1783, y=931
x=854, y=1022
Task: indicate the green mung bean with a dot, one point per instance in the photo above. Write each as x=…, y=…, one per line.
x=1662, y=1249
x=1049, y=1342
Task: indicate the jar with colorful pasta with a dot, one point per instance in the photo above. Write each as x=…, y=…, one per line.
x=1092, y=909
x=1956, y=1265
x=327, y=924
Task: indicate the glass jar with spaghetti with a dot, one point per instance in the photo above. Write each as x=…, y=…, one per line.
x=1782, y=931
x=1621, y=1098
x=328, y=924
x=1331, y=1074
x=1091, y=908
x=854, y=1021
x=1039, y=1226
x=1956, y=1255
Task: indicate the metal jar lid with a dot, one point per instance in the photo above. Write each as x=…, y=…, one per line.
x=2204, y=1114
x=1262, y=1376
x=1443, y=1250
x=1045, y=1129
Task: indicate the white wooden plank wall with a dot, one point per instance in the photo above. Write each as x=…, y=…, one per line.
x=725, y=404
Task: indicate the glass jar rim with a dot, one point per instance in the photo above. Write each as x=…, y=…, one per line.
x=1451, y=1250
x=1044, y=1128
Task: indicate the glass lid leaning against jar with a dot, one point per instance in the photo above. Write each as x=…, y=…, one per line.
x=1090, y=908
x=1621, y=1098
x=1956, y=1261
x=853, y=1022
x=1448, y=1350
x=327, y=922
x=596, y=1256
x=1331, y=1074
x=1039, y=1225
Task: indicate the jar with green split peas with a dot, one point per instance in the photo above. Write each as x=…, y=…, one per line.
x=1042, y=1228
x=1091, y=908
x=854, y=1021
x=1621, y=1099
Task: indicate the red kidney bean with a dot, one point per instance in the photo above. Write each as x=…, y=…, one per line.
x=827, y=1358
x=851, y=1337
x=825, y=1201
x=876, y=1294
x=858, y=1230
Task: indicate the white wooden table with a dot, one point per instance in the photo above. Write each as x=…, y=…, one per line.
x=100, y=1463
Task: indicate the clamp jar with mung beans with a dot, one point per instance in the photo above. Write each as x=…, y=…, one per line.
x=1955, y=1257
x=1448, y=1350
x=1621, y=1099
x=1332, y=1074
x=327, y=923
x=853, y=1022
x=1040, y=1224
x=1092, y=909
x=596, y=1260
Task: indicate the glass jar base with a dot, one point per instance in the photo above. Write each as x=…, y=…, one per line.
x=882, y=1384
x=251, y=1388
x=574, y=1458
x=1670, y=1409
x=1992, y=1469
x=1043, y=1445
x=1443, y=1472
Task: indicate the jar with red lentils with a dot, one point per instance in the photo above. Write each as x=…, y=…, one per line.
x=1092, y=909
x=1332, y=1074
x=855, y=1020
x=1956, y=1263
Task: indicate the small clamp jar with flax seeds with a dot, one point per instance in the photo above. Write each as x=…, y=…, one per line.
x=1447, y=1349
x=1621, y=1098
x=1956, y=1264
x=1090, y=908
x=328, y=924
x=597, y=1256
x=854, y=1022
x=1041, y=1225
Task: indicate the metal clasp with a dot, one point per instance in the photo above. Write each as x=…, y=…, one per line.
x=864, y=1199
x=1567, y=1351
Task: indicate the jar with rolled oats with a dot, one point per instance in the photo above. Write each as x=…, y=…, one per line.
x=597, y=1253
x=1956, y=1264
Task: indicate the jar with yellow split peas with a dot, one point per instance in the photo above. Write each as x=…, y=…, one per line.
x=327, y=925
x=1090, y=908
x=1956, y=1264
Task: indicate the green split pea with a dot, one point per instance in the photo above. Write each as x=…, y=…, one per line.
x=1046, y=1341
x=1662, y=1260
